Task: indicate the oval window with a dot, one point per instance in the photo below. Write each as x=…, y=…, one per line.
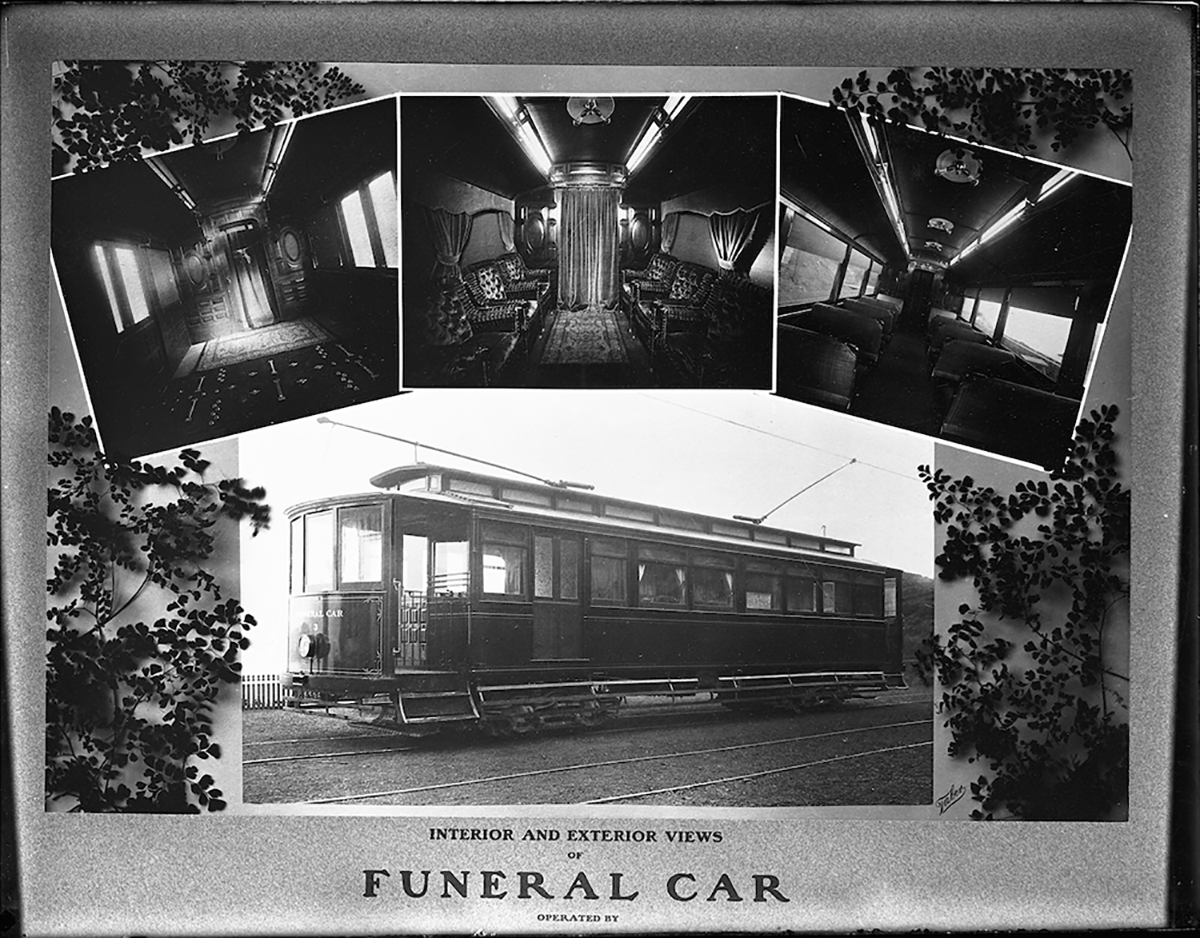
x=639, y=232
x=289, y=243
x=193, y=265
x=535, y=231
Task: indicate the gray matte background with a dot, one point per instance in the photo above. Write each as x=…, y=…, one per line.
x=288, y=874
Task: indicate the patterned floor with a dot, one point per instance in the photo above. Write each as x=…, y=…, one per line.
x=585, y=337
x=270, y=340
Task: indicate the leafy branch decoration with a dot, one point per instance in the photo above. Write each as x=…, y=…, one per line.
x=105, y=111
x=140, y=637
x=1004, y=107
x=1026, y=690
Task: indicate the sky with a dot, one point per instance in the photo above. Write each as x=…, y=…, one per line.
x=718, y=452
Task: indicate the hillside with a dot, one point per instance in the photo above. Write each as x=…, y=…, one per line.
x=917, y=607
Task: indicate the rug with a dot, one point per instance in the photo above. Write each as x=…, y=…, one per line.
x=270, y=340
x=585, y=337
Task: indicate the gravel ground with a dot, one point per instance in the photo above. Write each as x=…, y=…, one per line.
x=656, y=738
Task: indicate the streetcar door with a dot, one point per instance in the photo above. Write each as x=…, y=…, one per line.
x=412, y=630
x=557, y=613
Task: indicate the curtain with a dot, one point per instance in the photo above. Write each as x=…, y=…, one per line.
x=588, y=258
x=731, y=234
x=505, y=221
x=450, y=233
x=670, y=228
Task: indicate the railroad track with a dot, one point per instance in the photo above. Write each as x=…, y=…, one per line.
x=482, y=782
x=631, y=718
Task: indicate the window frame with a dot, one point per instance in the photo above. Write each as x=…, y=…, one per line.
x=374, y=233
x=116, y=287
x=505, y=535
x=359, y=585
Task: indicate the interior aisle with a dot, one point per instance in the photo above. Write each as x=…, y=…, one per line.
x=588, y=348
x=898, y=390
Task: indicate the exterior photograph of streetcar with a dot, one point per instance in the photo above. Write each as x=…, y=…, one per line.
x=455, y=599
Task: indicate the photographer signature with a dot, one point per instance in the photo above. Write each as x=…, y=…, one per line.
x=952, y=796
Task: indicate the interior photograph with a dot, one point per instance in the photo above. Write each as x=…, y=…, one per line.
x=949, y=289
x=588, y=241
x=234, y=284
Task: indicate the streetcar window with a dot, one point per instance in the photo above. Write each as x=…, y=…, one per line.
x=1039, y=338
x=770, y=537
x=662, y=576
x=801, y=594
x=712, y=581
x=806, y=543
x=525, y=496
x=632, y=514
x=764, y=588
x=987, y=314
x=504, y=569
x=543, y=567
x=809, y=265
x=872, y=280
x=568, y=569
x=836, y=593
x=868, y=595
x=608, y=571
x=360, y=545
x=730, y=530
x=856, y=273
x=472, y=488
x=318, y=551
x=450, y=573
x=671, y=519
x=416, y=563
x=296, y=574
x=889, y=597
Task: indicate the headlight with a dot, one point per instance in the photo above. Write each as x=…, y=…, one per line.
x=311, y=646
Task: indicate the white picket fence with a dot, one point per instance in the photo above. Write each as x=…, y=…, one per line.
x=262, y=692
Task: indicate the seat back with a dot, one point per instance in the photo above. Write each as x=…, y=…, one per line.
x=948, y=330
x=959, y=358
x=884, y=314
x=862, y=331
x=815, y=368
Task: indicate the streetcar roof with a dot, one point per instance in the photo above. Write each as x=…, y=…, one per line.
x=566, y=503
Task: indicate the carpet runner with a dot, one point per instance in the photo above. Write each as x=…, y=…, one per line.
x=585, y=337
x=270, y=340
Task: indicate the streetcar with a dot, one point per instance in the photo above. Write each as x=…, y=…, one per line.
x=450, y=596
x=939, y=286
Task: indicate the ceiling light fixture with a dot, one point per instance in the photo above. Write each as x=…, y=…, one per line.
x=520, y=125
x=281, y=137
x=960, y=165
x=171, y=181
x=660, y=120
x=875, y=153
x=590, y=110
x=1054, y=183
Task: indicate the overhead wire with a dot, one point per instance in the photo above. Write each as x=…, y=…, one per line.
x=560, y=484
x=779, y=436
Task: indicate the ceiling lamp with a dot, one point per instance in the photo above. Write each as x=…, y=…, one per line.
x=958, y=165
x=660, y=119
x=590, y=110
x=520, y=125
x=934, y=246
x=942, y=224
